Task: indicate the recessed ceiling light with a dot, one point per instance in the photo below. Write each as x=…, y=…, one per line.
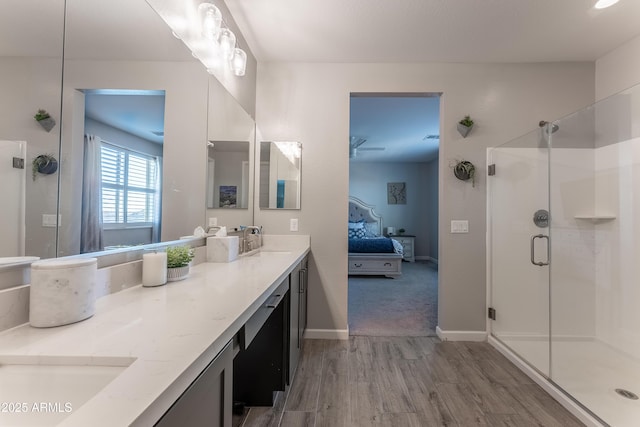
x=602, y=4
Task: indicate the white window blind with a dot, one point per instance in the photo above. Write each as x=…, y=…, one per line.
x=129, y=187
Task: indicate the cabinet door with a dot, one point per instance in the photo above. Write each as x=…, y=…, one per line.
x=294, y=323
x=208, y=400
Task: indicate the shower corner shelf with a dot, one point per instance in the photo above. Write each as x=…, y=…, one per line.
x=596, y=218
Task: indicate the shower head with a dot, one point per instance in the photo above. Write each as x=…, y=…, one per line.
x=554, y=127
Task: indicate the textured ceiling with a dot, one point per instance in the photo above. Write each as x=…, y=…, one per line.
x=433, y=30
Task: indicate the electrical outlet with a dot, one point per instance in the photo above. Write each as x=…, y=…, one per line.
x=213, y=222
x=293, y=224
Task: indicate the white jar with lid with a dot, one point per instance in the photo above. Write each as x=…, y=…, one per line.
x=62, y=291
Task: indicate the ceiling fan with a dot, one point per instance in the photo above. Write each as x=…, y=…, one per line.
x=355, y=142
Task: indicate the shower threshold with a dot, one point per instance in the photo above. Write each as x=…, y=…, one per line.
x=586, y=374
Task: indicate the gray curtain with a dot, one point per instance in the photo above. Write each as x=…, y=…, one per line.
x=155, y=231
x=91, y=229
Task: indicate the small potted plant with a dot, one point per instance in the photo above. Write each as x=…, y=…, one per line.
x=465, y=125
x=178, y=262
x=45, y=120
x=45, y=164
x=464, y=170
x=401, y=231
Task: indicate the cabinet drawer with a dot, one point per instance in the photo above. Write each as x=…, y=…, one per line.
x=372, y=265
x=255, y=322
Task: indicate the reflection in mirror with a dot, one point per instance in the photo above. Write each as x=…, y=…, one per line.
x=228, y=175
x=280, y=175
x=122, y=178
x=231, y=136
x=127, y=81
x=31, y=46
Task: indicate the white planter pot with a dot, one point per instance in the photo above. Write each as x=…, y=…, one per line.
x=464, y=130
x=177, y=273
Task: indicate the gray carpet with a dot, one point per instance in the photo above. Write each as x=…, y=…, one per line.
x=406, y=306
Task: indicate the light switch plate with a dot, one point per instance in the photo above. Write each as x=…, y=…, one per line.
x=213, y=222
x=50, y=220
x=293, y=224
x=459, y=226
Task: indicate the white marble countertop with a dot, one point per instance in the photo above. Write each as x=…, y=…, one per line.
x=171, y=331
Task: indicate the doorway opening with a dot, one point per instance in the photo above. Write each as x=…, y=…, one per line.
x=393, y=213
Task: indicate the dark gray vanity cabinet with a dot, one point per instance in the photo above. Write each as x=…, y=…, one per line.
x=297, y=314
x=260, y=368
x=208, y=400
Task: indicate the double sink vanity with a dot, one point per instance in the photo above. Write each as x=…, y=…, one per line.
x=153, y=356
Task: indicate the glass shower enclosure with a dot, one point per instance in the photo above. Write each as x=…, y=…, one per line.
x=564, y=255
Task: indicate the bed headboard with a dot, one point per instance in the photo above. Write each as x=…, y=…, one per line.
x=359, y=210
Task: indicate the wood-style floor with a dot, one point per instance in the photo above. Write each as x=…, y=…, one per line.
x=409, y=381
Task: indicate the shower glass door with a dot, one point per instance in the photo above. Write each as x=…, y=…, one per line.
x=518, y=191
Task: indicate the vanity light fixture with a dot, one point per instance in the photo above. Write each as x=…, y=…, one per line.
x=202, y=29
x=603, y=4
x=210, y=20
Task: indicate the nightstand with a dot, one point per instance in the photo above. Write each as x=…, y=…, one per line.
x=407, y=242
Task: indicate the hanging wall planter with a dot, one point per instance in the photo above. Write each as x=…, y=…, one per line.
x=465, y=125
x=464, y=170
x=45, y=120
x=45, y=164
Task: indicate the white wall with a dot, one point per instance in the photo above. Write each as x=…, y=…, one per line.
x=368, y=182
x=618, y=70
x=26, y=85
x=310, y=103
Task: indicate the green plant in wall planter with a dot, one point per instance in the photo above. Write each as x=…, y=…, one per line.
x=178, y=262
x=45, y=164
x=465, y=125
x=464, y=170
x=45, y=120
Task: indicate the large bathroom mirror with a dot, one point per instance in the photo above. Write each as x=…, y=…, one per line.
x=280, y=175
x=125, y=78
x=127, y=137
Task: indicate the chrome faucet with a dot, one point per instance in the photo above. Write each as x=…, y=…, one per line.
x=251, y=238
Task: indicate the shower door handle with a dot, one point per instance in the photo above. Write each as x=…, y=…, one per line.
x=533, y=250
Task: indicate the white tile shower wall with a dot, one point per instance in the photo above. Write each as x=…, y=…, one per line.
x=617, y=246
x=572, y=287
x=523, y=173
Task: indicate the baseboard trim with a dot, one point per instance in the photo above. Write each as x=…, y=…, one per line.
x=477, y=336
x=327, y=334
x=426, y=258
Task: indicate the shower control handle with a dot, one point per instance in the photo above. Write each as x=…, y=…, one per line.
x=533, y=258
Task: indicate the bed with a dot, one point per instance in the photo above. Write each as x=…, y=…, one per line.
x=370, y=253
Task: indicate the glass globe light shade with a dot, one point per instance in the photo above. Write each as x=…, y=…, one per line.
x=227, y=42
x=210, y=20
x=239, y=62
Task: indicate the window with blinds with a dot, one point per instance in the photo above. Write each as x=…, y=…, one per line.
x=129, y=187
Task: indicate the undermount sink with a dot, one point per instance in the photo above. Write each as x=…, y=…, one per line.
x=44, y=390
